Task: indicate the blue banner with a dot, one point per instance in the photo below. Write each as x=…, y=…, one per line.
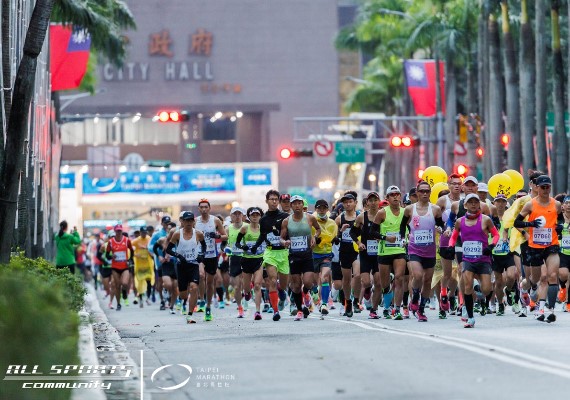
x=166, y=182
x=257, y=176
x=67, y=181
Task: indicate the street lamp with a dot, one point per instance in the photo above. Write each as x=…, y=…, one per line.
x=326, y=184
x=372, y=180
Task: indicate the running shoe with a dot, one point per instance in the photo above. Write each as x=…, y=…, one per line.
x=330, y=304
x=257, y=316
x=398, y=316
x=358, y=308
x=153, y=297
x=464, y=315
x=148, y=304
x=135, y=301
x=172, y=310
x=442, y=314
x=523, y=312
x=307, y=299
x=532, y=305
x=501, y=310
x=316, y=298
x=470, y=323
x=421, y=317
x=534, y=294
x=510, y=295
x=221, y=305
x=265, y=307
x=271, y=310
x=202, y=306
x=228, y=302
x=281, y=305
x=476, y=307
x=551, y=317
x=525, y=298
x=431, y=305
x=452, y=306
x=276, y=316
x=492, y=308
x=540, y=316
x=208, y=315
x=373, y=315
x=562, y=295
x=299, y=316
x=293, y=309
x=405, y=312
x=111, y=306
x=305, y=312
x=367, y=304
x=162, y=305
x=567, y=307
x=245, y=304
x=414, y=307
x=190, y=320
x=386, y=314
x=126, y=302
x=247, y=296
x=444, y=304
x=484, y=310
x=118, y=307
x=348, y=313
x=516, y=308
x=240, y=312
x=324, y=310
x=177, y=305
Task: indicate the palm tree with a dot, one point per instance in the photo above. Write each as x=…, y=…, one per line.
x=512, y=90
x=495, y=116
x=540, y=85
x=527, y=74
x=560, y=145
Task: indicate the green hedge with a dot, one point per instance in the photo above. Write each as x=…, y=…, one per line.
x=38, y=322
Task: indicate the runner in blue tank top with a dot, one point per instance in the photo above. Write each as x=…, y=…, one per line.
x=474, y=229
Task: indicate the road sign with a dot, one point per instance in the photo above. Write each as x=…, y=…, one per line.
x=350, y=152
x=323, y=149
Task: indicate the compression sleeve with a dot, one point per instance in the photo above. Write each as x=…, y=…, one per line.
x=203, y=246
x=375, y=231
x=451, y=220
x=439, y=222
x=354, y=233
x=520, y=223
x=496, y=235
x=240, y=236
x=155, y=248
x=454, y=237
x=496, y=221
x=170, y=249
x=404, y=226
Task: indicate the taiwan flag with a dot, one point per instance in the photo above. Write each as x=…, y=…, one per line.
x=69, y=53
x=421, y=82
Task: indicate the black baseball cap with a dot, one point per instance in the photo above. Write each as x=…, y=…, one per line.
x=187, y=215
x=373, y=194
x=165, y=219
x=321, y=203
x=543, y=180
x=347, y=196
x=412, y=192
x=143, y=229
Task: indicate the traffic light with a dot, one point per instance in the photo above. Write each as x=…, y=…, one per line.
x=480, y=152
x=505, y=140
x=287, y=153
x=171, y=116
x=402, y=141
x=461, y=170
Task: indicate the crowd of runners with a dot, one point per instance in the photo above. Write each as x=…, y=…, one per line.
x=391, y=255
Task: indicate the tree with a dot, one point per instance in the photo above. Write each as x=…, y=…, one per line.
x=560, y=145
x=527, y=74
x=11, y=158
x=495, y=117
x=540, y=85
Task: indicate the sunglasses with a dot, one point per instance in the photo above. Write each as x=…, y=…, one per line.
x=544, y=187
x=424, y=191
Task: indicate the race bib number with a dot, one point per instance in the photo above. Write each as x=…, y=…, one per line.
x=210, y=248
x=346, y=236
x=273, y=239
x=372, y=247
x=236, y=251
x=189, y=255
x=565, y=242
x=501, y=249
x=299, y=243
x=260, y=249
x=542, y=236
x=423, y=237
x=397, y=243
x=472, y=249
x=121, y=256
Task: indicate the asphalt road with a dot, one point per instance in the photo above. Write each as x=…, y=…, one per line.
x=335, y=358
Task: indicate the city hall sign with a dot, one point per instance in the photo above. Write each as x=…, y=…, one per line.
x=160, y=45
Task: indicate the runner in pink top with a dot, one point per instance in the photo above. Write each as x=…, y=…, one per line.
x=422, y=218
x=474, y=229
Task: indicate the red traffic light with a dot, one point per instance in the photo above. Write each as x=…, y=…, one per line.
x=480, y=152
x=402, y=141
x=462, y=169
x=172, y=116
x=505, y=139
x=285, y=153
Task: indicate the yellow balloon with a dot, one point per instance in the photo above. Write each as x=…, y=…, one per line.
x=434, y=174
x=435, y=190
x=517, y=178
x=501, y=184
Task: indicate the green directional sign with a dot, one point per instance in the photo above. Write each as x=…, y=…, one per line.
x=350, y=152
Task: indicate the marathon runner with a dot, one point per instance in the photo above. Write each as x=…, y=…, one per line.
x=323, y=253
x=565, y=255
x=235, y=255
x=120, y=251
x=159, y=255
x=144, y=266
